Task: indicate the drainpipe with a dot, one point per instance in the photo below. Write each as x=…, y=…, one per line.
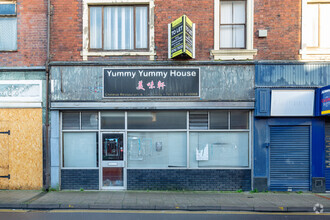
x=46, y=148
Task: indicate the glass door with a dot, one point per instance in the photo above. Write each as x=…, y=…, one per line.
x=113, y=172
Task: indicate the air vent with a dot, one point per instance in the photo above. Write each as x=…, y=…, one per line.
x=198, y=120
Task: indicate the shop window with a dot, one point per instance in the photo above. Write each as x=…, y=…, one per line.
x=79, y=120
x=315, y=30
x=239, y=120
x=80, y=149
x=80, y=145
x=118, y=27
x=157, y=120
x=219, y=120
x=157, y=149
x=233, y=30
x=228, y=147
x=8, y=26
x=113, y=28
x=112, y=120
x=219, y=149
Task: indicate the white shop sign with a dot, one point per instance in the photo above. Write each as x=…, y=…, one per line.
x=292, y=103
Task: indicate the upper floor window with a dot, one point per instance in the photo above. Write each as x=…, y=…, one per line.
x=118, y=27
x=113, y=28
x=318, y=25
x=8, y=26
x=233, y=30
x=232, y=24
x=315, y=30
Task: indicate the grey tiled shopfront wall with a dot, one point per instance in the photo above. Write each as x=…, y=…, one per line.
x=160, y=179
x=188, y=179
x=87, y=179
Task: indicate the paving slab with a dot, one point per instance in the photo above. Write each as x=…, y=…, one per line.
x=143, y=200
x=17, y=196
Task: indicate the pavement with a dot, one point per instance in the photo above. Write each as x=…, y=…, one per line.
x=166, y=200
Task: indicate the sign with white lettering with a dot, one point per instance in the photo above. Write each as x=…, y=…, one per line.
x=150, y=82
x=181, y=37
x=292, y=103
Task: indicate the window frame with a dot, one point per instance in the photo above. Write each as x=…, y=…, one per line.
x=134, y=29
x=14, y=2
x=246, y=53
x=86, y=52
x=312, y=53
x=233, y=24
x=186, y=130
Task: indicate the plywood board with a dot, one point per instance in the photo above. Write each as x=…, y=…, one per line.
x=24, y=147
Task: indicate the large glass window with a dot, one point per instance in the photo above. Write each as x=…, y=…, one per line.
x=8, y=26
x=217, y=149
x=157, y=149
x=80, y=149
x=118, y=27
x=80, y=146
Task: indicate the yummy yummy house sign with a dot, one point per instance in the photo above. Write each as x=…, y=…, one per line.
x=150, y=82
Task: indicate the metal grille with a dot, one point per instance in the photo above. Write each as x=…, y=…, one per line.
x=289, y=158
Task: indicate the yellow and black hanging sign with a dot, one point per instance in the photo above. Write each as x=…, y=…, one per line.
x=181, y=37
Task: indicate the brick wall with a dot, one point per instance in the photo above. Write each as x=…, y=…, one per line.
x=31, y=35
x=200, y=12
x=66, y=34
x=80, y=179
x=188, y=179
x=282, y=19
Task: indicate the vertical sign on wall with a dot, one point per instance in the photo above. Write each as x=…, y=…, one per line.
x=325, y=100
x=181, y=38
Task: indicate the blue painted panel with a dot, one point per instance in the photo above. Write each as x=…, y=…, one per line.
x=261, y=139
x=292, y=75
x=318, y=146
x=7, y=9
x=263, y=97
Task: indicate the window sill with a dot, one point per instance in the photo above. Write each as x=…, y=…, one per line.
x=3, y=51
x=233, y=54
x=86, y=54
x=315, y=54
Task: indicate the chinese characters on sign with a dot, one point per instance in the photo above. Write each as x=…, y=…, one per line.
x=152, y=82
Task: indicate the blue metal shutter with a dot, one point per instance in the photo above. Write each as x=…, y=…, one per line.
x=289, y=158
x=327, y=156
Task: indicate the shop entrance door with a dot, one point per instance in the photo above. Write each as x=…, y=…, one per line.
x=4, y=155
x=113, y=170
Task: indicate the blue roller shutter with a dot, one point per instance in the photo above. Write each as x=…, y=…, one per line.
x=327, y=156
x=289, y=158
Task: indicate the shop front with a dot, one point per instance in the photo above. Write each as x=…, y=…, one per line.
x=22, y=106
x=288, y=135
x=156, y=128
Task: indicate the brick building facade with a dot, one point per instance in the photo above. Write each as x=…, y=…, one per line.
x=244, y=53
x=23, y=55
